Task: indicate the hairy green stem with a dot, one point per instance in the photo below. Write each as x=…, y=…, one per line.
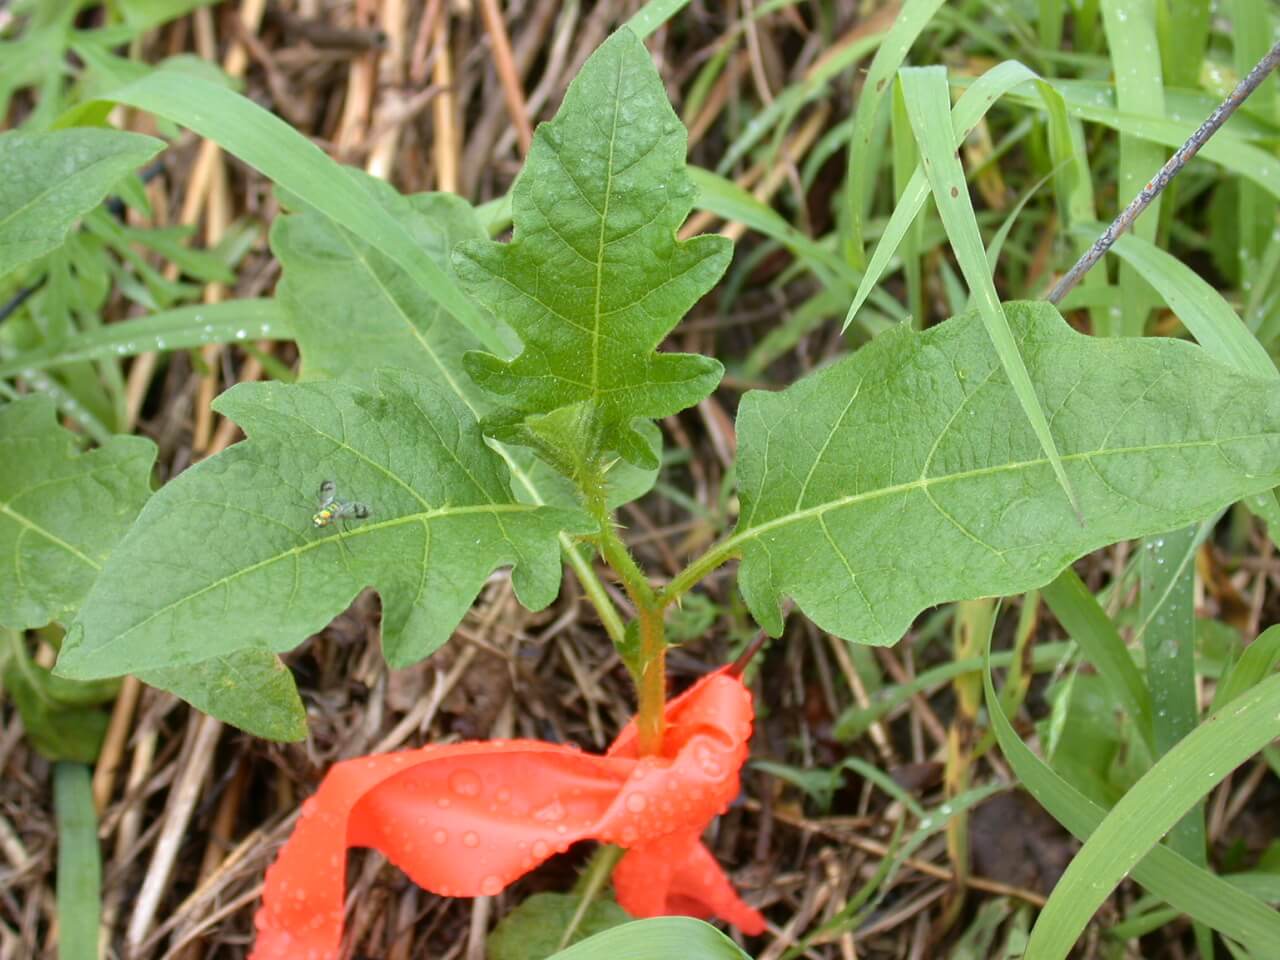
x=595, y=592
x=696, y=571
x=651, y=692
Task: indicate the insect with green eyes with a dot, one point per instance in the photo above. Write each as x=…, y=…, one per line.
x=332, y=508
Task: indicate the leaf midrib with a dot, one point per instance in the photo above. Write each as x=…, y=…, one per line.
x=730, y=545
x=48, y=535
x=525, y=480
x=600, y=244
x=364, y=530
x=409, y=324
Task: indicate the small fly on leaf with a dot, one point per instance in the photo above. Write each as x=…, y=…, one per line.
x=331, y=508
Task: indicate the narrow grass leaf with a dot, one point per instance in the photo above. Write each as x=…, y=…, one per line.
x=864, y=160
x=929, y=108
x=1166, y=568
x=1199, y=306
x=1135, y=60
x=1258, y=661
x=996, y=83
x=1150, y=809
x=1226, y=147
x=856, y=720
x=1253, y=32
x=79, y=884
x=182, y=328
x=1089, y=626
x=834, y=61
x=270, y=145
x=726, y=199
x=1205, y=896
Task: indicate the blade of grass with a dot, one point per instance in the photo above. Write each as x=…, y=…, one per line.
x=279, y=152
x=906, y=159
x=1131, y=37
x=855, y=721
x=182, y=328
x=1167, y=604
x=726, y=199
x=1252, y=35
x=79, y=862
x=789, y=101
x=929, y=106
x=997, y=83
x=1200, y=894
x=1199, y=306
x=1089, y=626
x=653, y=15
x=1258, y=661
x=1133, y=827
x=1226, y=147
x=936, y=820
x=864, y=160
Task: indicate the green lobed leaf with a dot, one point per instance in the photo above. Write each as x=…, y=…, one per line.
x=356, y=310
x=594, y=279
x=60, y=716
x=533, y=930
x=251, y=689
x=51, y=179
x=657, y=937
x=62, y=515
x=329, y=270
x=61, y=511
x=225, y=558
x=906, y=475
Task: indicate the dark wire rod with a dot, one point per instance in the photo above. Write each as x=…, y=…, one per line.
x=1161, y=180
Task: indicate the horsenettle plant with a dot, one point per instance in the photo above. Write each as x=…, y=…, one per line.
x=977, y=458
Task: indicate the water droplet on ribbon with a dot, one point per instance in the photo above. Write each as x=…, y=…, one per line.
x=465, y=783
x=553, y=812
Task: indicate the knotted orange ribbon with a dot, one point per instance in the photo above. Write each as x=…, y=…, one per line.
x=467, y=819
